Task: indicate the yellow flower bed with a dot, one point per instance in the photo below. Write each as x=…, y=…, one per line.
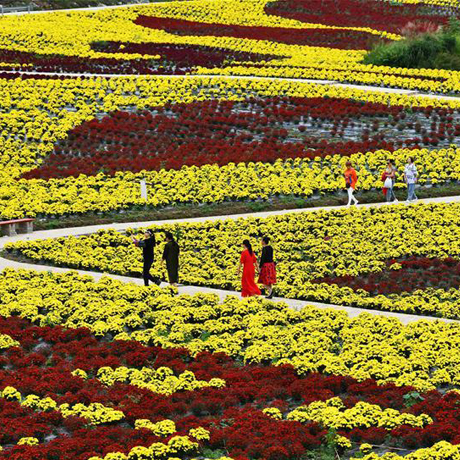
x=440, y=451
x=177, y=445
x=6, y=342
x=161, y=380
x=308, y=246
x=162, y=428
x=28, y=441
x=333, y=414
x=423, y=354
x=95, y=413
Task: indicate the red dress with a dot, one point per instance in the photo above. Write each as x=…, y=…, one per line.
x=248, y=285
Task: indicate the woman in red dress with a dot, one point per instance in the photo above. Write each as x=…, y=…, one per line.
x=249, y=263
x=267, y=275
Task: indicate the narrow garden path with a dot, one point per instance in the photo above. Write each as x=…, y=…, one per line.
x=191, y=290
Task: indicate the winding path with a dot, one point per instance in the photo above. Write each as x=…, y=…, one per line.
x=191, y=290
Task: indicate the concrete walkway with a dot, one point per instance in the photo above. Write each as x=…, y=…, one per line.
x=191, y=290
x=123, y=226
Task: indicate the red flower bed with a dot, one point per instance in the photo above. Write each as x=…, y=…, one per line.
x=416, y=273
x=175, y=59
x=380, y=15
x=43, y=364
x=331, y=38
x=253, y=130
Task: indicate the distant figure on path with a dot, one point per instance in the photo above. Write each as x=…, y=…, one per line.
x=148, y=245
x=267, y=275
x=171, y=258
x=390, y=175
x=249, y=263
x=410, y=177
x=351, y=178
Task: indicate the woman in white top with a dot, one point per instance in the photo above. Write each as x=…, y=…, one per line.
x=410, y=176
x=390, y=174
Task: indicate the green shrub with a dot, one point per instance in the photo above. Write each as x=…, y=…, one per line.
x=435, y=50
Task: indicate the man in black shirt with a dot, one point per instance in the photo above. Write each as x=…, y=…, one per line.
x=147, y=245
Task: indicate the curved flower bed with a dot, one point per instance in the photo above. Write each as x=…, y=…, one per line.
x=154, y=58
x=222, y=132
x=322, y=256
x=65, y=390
x=330, y=38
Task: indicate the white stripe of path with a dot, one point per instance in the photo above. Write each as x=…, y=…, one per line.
x=191, y=290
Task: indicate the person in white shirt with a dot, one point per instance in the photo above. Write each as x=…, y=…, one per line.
x=410, y=176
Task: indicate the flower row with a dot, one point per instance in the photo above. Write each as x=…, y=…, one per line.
x=144, y=59
x=401, y=275
x=330, y=38
x=162, y=380
x=422, y=354
x=316, y=254
x=94, y=413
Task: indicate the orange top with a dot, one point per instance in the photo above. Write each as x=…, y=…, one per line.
x=351, y=176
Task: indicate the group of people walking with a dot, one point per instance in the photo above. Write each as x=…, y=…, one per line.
x=265, y=266
x=388, y=179
x=170, y=257
x=249, y=264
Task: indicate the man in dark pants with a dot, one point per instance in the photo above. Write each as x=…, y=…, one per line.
x=171, y=258
x=147, y=245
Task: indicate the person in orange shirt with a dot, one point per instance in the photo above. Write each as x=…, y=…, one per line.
x=350, y=182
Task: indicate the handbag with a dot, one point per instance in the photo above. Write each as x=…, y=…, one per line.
x=388, y=183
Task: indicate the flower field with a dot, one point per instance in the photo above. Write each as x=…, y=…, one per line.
x=259, y=37
x=213, y=101
x=293, y=138
x=80, y=145
x=204, y=373
x=339, y=257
